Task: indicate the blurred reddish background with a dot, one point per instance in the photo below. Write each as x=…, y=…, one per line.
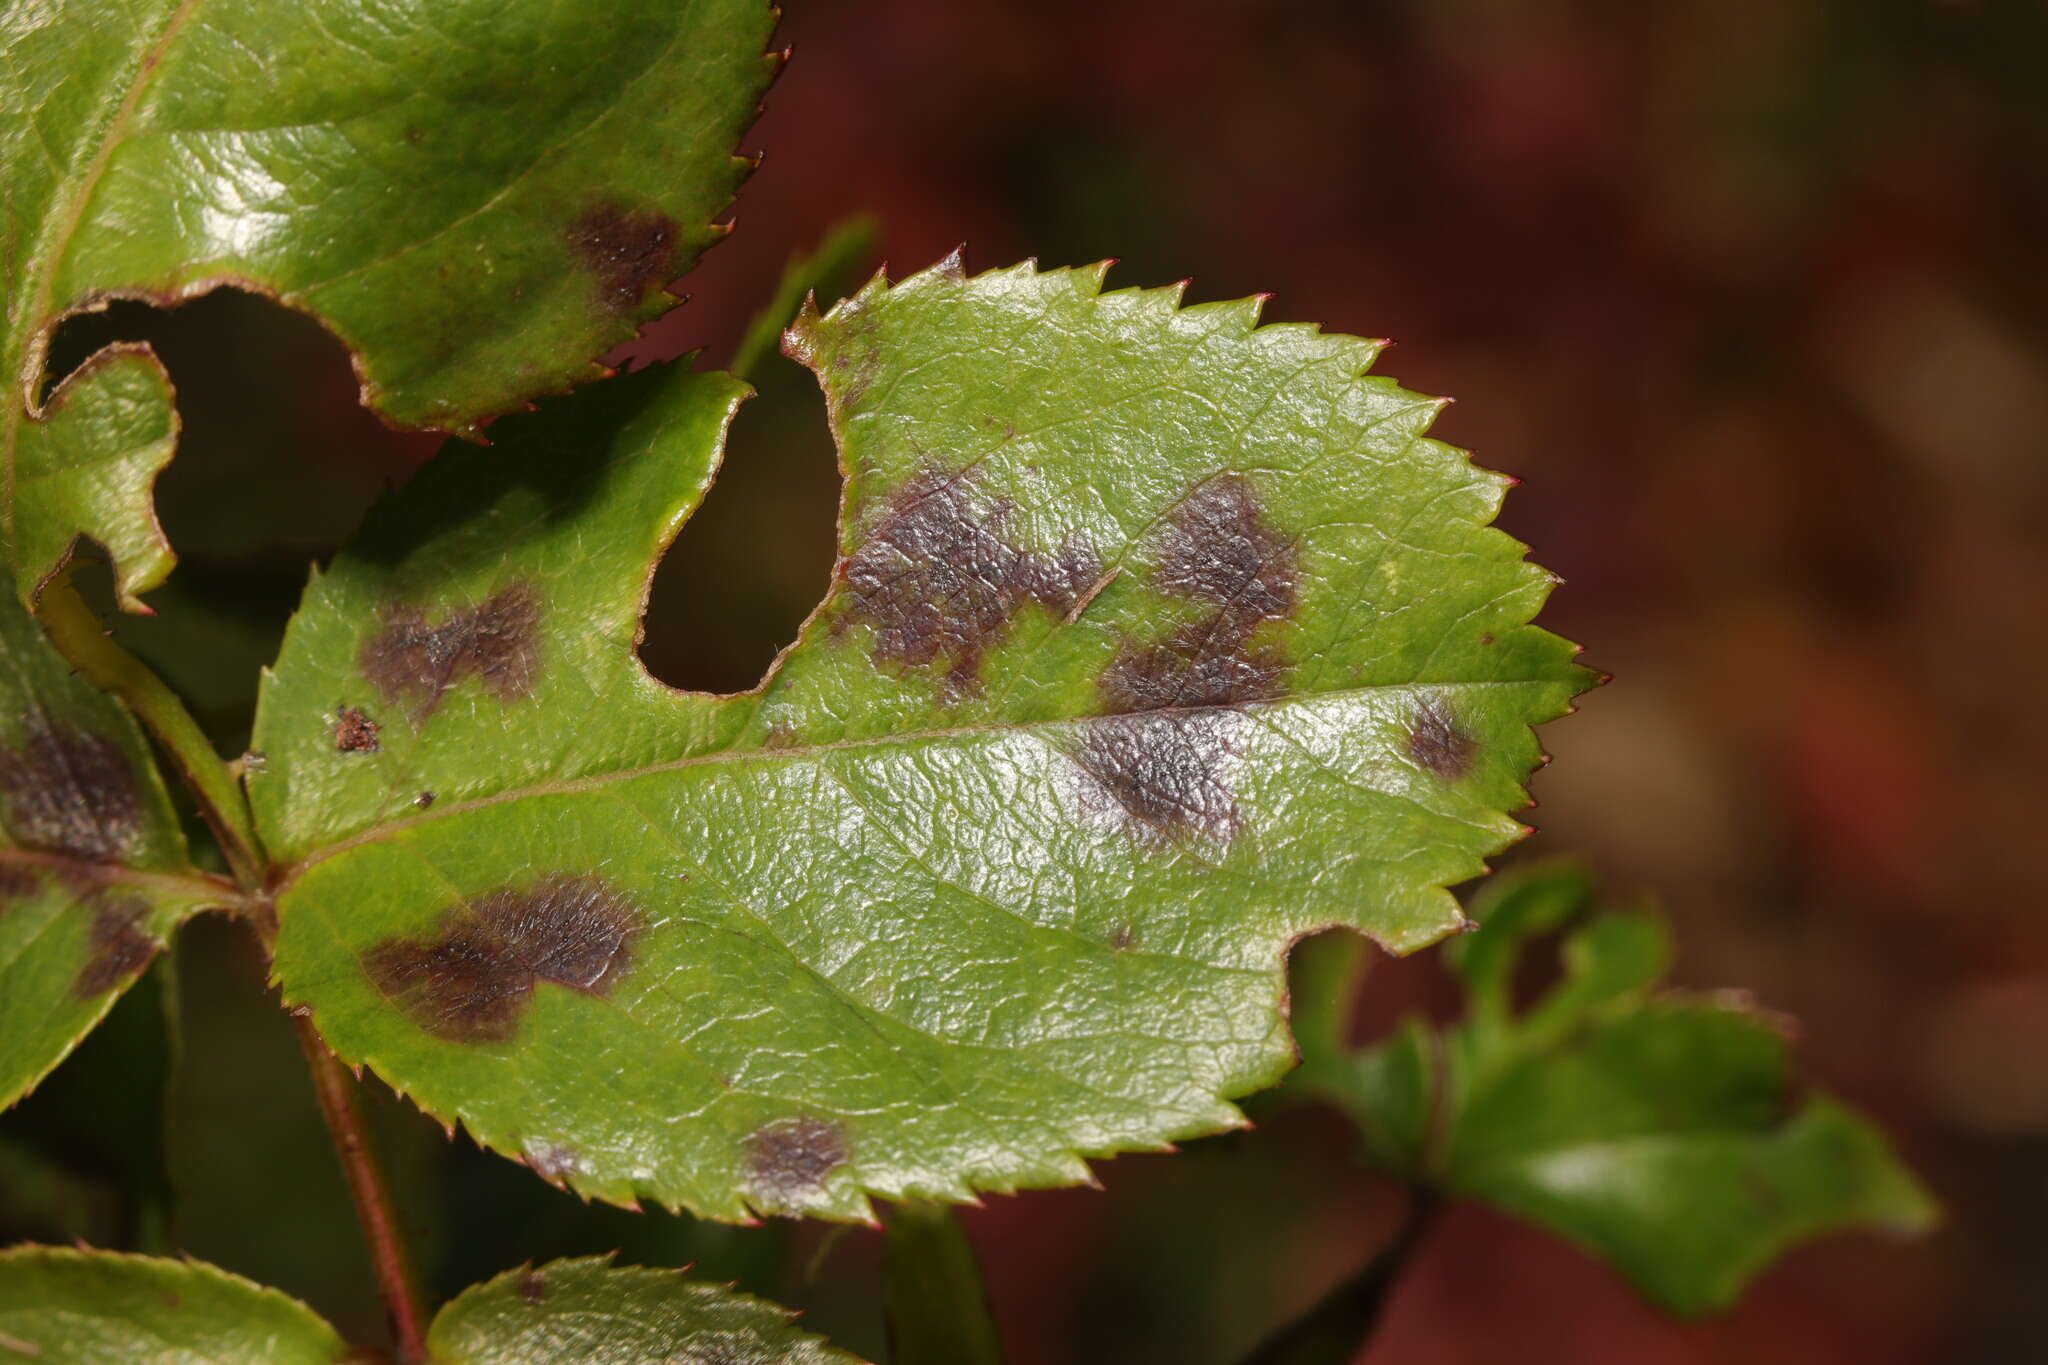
x=1750, y=293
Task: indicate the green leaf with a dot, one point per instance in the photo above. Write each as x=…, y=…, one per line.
x=589, y=1311
x=1657, y=1129
x=64, y=1307
x=1157, y=640
x=93, y=866
x=477, y=224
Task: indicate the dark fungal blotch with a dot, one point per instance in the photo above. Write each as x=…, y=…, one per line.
x=788, y=1160
x=1218, y=548
x=1175, y=708
x=116, y=947
x=497, y=642
x=69, y=792
x=627, y=252
x=1164, y=773
x=472, y=982
x=1438, y=744
x=533, y=1287
x=941, y=581
x=355, y=732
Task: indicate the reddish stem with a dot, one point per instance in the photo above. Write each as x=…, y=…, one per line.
x=396, y=1281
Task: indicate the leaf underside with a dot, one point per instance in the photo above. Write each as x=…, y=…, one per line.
x=478, y=227
x=1659, y=1130
x=93, y=869
x=1157, y=640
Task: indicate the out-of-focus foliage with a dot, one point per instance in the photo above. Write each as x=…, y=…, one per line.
x=1659, y=1129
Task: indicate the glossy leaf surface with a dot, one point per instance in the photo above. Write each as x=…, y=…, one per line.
x=587, y=1311
x=1156, y=640
x=60, y=1306
x=93, y=868
x=1661, y=1130
x=477, y=223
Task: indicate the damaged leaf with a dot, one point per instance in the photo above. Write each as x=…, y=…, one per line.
x=1157, y=639
x=589, y=1310
x=93, y=867
x=477, y=227
x=1663, y=1131
x=59, y=1305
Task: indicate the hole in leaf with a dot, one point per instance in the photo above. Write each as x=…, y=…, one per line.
x=278, y=459
x=277, y=462
x=751, y=564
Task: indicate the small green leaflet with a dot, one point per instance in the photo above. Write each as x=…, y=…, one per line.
x=64, y=1307
x=93, y=869
x=1657, y=1129
x=60, y=1306
x=594, y=1314
x=1157, y=639
x=477, y=226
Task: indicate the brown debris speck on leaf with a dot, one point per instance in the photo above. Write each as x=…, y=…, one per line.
x=472, y=983
x=355, y=732
x=497, y=642
x=940, y=582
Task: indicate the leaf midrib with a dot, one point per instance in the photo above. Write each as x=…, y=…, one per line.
x=292, y=872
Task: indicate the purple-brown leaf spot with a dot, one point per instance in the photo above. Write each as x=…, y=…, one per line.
x=472, y=983
x=354, y=732
x=533, y=1287
x=1164, y=771
x=68, y=792
x=497, y=642
x=116, y=947
x=628, y=253
x=788, y=1160
x=1436, y=743
x=1218, y=548
x=941, y=584
x=1162, y=752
